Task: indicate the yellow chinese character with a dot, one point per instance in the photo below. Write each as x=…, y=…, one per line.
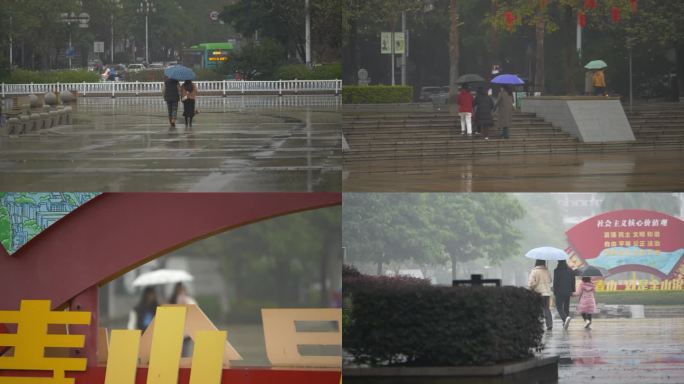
x=606, y=235
x=613, y=235
x=613, y=243
x=649, y=234
x=642, y=234
x=656, y=234
x=628, y=243
x=621, y=235
x=31, y=339
x=606, y=244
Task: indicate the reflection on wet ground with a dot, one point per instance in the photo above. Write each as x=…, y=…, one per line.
x=251, y=143
x=603, y=172
x=619, y=351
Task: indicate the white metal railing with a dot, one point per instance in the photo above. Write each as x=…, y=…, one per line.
x=215, y=103
x=225, y=87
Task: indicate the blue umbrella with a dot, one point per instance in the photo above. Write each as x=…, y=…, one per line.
x=508, y=79
x=179, y=72
x=547, y=253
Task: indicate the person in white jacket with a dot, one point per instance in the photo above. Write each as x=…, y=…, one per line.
x=540, y=282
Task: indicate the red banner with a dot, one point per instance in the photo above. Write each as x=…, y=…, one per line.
x=630, y=240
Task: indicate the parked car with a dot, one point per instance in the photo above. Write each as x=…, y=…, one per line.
x=133, y=68
x=440, y=96
x=171, y=64
x=156, y=66
x=426, y=92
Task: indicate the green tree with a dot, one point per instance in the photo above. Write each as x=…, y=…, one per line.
x=662, y=202
x=546, y=16
x=258, y=61
x=285, y=261
x=283, y=21
x=476, y=226
x=430, y=228
x=385, y=228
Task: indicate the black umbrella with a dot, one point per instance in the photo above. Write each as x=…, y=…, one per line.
x=470, y=78
x=589, y=271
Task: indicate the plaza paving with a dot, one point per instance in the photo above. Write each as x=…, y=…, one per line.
x=600, y=172
x=249, y=143
x=620, y=351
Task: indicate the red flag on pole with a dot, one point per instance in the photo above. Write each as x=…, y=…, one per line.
x=615, y=14
x=589, y=4
x=633, y=3
x=510, y=18
x=582, y=19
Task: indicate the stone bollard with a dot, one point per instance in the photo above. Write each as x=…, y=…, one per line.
x=51, y=99
x=67, y=97
x=34, y=101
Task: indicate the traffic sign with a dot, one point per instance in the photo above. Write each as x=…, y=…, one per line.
x=98, y=47
x=70, y=52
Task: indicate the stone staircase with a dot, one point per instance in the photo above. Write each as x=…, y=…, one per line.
x=389, y=135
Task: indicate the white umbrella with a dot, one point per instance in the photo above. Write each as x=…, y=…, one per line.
x=547, y=253
x=162, y=276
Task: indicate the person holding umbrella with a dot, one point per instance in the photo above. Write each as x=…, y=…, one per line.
x=540, y=281
x=504, y=110
x=172, y=89
x=598, y=78
x=171, y=92
x=563, y=288
x=188, y=94
x=141, y=316
x=540, y=278
x=465, y=109
x=585, y=291
x=483, y=105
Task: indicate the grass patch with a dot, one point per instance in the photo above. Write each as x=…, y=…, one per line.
x=641, y=297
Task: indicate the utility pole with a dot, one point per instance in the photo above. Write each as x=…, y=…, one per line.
x=111, y=47
x=147, y=7
x=307, y=23
x=10, y=40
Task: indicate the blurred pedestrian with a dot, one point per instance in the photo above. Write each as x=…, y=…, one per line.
x=504, y=110
x=540, y=281
x=172, y=95
x=483, y=106
x=598, y=81
x=563, y=288
x=180, y=295
x=141, y=316
x=465, y=109
x=188, y=96
x=587, y=303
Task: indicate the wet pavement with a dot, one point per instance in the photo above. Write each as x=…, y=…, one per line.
x=602, y=172
x=619, y=351
x=249, y=143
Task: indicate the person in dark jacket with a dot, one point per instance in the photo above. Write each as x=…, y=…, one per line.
x=563, y=287
x=504, y=108
x=172, y=95
x=483, y=105
x=141, y=316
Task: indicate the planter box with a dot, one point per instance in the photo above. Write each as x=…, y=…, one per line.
x=532, y=371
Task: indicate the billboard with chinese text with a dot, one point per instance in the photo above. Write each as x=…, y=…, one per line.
x=630, y=241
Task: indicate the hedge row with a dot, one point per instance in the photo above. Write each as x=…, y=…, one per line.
x=23, y=76
x=405, y=321
x=377, y=94
x=158, y=75
x=302, y=72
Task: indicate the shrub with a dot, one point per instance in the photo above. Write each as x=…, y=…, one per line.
x=376, y=94
x=405, y=321
x=302, y=72
x=23, y=76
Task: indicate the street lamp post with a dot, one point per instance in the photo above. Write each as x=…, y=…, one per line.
x=308, y=32
x=147, y=7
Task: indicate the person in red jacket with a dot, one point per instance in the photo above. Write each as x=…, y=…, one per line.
x=465, y=109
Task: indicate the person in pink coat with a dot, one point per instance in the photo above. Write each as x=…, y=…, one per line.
x=587, y=303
